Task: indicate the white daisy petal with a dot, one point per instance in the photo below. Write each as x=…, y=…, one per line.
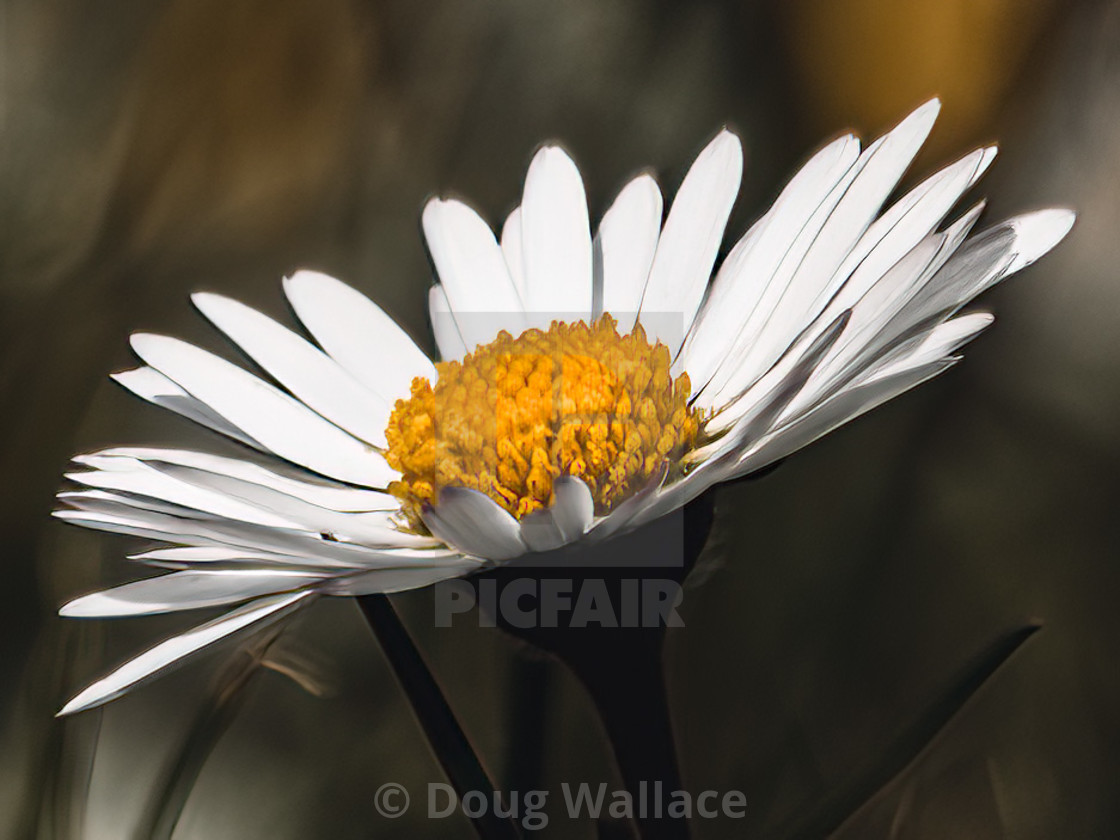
x=474, y=524
x=573, y=507
x=833, y=413
x=401, y=580
x=448, y=338
x=138, y=517
x=555, y=240
x=210, y=557
x=980, y=263
x=768, y=399
x=173, y=651
x=472, y=271
x=375, y=528
x=199, y=554
x=153, y=386
x=511, y=250
x=1037, y=233
x=625, y=244
x=622, y=517
x=804, y=279
x=821, y=270
x=279, y=422
x=147, y=481
x=690, y=240
x=565, y=521
x=743, y=279
x=122, y=515
x=865, y=338
x=357, y=334
x=185, y=591
x=540, y=532
x=930, y=348
x=756, y=409
x=103, y=500
x=313, y=377
x=334, y=496
x=906, y=223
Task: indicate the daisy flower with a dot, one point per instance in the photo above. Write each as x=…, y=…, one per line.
x=588, y=383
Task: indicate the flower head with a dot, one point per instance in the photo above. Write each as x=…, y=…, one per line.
x=576, y=400
x=587, y=385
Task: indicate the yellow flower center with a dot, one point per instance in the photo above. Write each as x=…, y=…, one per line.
x=517, y=413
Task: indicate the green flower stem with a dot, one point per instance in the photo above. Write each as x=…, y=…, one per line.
x=445, y=736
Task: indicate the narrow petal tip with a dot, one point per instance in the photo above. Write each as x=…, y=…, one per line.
x=143, y=342
x=304, y=278
x=725, y=144
x=928, y=109
x=1038, y=232
x=205, y=302
x=553, y=154
x=919, y=122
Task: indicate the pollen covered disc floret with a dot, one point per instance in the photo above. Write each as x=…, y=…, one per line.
x=511, y=417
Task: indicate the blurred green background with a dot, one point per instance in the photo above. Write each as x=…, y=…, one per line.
x=155, y=148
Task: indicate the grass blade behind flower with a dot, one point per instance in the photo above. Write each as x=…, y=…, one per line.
x=837, y=810
x=218, y=710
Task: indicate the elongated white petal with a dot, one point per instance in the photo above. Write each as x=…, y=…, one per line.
x=807, y=274
x=754, y=412
x=564, y=521
x=173, y=651
x=573, y=508
x=185, y=591
x=759, y=344
x=626, y=242
x=211, y=557
x=905, y=224
x=512, y=251
x=865, y=340
x=835, y=412
x=99, y=500
x=744, y=283
x=820, y=271
x=983, y=261
x=357, y=334
x=474, y=524
x=281, y=423
x=314, y=378
x=402, y=580
x=448, y=338
x=472, y=272
x=146, y=481
x=690, y=240
x=199, y=554
x=374, y=528
x=1036, y=233
x=124, y=515
x=932, y=347
x=766, y=401
x=121, y=515
x=622, y=517
x=153, y=386
x=540, y=532
x=555, y=240
x=329, y=495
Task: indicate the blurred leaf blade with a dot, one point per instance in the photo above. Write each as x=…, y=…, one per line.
x=218, y=710
x=911, y=743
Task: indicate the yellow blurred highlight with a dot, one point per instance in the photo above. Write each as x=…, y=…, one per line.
x=866, y=62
